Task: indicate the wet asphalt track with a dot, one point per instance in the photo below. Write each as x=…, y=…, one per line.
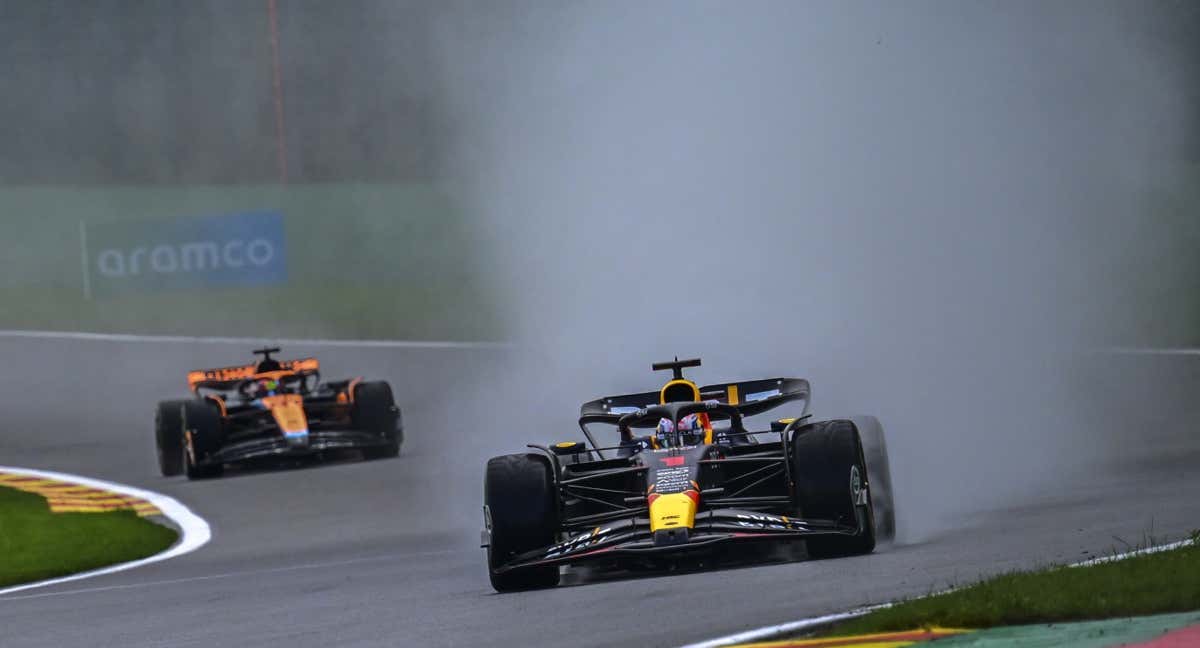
x=384, y=553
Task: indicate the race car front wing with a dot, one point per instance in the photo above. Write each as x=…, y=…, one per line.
x=279, y=446
x=633, y=537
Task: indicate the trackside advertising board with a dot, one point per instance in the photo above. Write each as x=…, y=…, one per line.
x=247, y=249
x=355, y=260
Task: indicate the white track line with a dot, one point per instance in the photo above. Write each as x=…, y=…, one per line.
x=1130, y=554
x=194, y=532
x=768, y=632
x=773, y=631
x=128, y=337
x=1153, y=351
x=237, y=574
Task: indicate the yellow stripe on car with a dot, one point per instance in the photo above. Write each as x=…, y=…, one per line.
x=672, y=511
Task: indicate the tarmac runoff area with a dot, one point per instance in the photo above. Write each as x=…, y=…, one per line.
x=1159, y=631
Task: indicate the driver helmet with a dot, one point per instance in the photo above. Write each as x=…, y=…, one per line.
x=691, y=431
x=268, y=386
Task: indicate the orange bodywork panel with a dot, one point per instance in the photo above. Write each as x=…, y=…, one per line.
x=220, y=402
x=227, y=374
x=288, y=410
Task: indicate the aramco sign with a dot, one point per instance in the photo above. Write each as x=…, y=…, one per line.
x=187, y=253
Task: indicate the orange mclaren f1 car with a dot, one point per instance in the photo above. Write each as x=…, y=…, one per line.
x=272, y=409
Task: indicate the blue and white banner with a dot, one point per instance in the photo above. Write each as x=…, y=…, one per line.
x=186, y=253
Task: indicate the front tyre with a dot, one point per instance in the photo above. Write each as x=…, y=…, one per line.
x=168, y=437
x=830, y=475
x=522, y=510
x=376, y=413
x=879, y=475
x=201, y=423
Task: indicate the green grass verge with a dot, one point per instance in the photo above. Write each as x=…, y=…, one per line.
x=36, y=544
x=1167, y=581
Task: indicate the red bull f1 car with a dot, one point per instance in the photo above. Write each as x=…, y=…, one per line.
x=272, y=409
x=686, y=479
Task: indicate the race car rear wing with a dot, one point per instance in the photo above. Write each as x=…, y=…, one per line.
x=751, y=397
x=228, y=377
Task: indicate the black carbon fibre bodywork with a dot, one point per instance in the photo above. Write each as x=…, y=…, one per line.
x=251, y=433
x=278, y=447
x=714, y=529
x=743, y=488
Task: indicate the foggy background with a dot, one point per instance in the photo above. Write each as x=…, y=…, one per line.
x=935, y=211
x=925, y=208
x=182, y=92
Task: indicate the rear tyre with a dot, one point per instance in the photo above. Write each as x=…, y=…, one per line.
x=202, y=421
x=168, y=437
x=375, y=412
x=522, y=509
x=830, y=473
x=879, y=476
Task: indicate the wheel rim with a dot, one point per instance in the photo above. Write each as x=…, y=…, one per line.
x=857, y=492
x=189, y=454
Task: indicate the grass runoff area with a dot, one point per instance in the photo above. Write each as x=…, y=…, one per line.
x=1167, y=581
x=36, y=544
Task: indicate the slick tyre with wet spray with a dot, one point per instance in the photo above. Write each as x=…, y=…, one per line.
x=879, y=476
x=168, y=437
x=831, y=484
x=202, y=422
x=521, y=510
x=375, y=411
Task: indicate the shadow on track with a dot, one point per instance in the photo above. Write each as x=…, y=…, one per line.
x=260, y=466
